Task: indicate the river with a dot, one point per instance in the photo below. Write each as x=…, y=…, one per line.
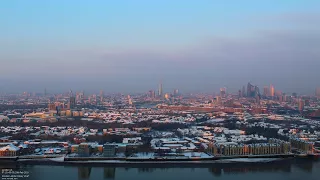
x=293, y=170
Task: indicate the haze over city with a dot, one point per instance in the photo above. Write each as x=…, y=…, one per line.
x=130, y=46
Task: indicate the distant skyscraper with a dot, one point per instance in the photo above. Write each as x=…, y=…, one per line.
x=152, y=94
x=167, y=96
x=223, y=92
x=218, y=100
x=243, y=91
x=301, y=105
x=45, y=91
x=251, y=90
x=72, y=102
x=101, y=95
x=130, y=100
x=175, y=92
x=278, y=93
x=266, y=91
x=160, y=91
x=256, y=91
x=272, y=91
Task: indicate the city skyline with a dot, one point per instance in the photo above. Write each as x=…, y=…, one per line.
x=127, y=47
x=242, y=92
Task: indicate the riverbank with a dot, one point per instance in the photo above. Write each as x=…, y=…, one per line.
x=104, y=161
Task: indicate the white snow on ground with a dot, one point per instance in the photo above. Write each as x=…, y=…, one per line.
x=252, y=159
x=172, y=155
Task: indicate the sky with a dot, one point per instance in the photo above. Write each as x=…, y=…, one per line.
x=132, y=45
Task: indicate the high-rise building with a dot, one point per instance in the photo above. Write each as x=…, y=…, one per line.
x=167, y=96
x=223, y=92
x=101, y=95
x=175, y=92
x=218, y=100
x=72, y=102
x=266, y=91
x=243, y=91
x=160, y=90
x=272, y=91
x=301, y=104
x=252, y=90
x=152, y=94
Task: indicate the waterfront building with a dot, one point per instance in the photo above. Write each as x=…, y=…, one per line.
x=285, y=146
x=9, y=150
x=234, y=149
x=84, y=150
x=74, y=148
x=109, y=150
x=302, y=145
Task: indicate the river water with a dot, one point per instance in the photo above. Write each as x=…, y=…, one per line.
x=294, y=170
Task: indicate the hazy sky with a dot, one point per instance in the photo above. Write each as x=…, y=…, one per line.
x=130, y=45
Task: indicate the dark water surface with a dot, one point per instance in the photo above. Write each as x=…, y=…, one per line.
x=295, y=170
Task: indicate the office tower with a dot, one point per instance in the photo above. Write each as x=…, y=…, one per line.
x=239, y=94
x=175, y=92
x=152, y=94
x=301, y=104
x=101, y=93
x=167, y=96
x=243, y=91
x=72, y=100
x=272, y=92
x=160, y=91
x=318, y=92
x=250, y=90
x=218, y=100
x=258, y=99
x=45, y=91
x=266, y=91
x=223, y=92
x=256, y=91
